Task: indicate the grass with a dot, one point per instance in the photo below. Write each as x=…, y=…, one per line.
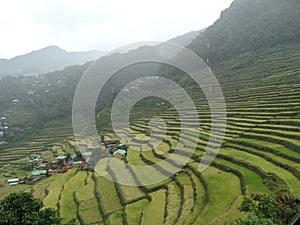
x=54, y=186
x=222, y=195
x=200, y=199
x=40, y=192
x=253, y=181
x=134, y=159
x=127, y=182
x=150, y=177
x=4, y=191
x=134, y=211
x=88, y=205
x=149, y=156
x=273, y=137
x=261, y=100
x=292, y=182
x=115, y=218
x=188, y=192
x=173, y=203
x=155, y=210
x=68, y=211
x=132, y=192
x=275, y=146
x=162, y=149
x=108, y=194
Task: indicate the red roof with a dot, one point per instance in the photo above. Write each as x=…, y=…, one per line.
x=58, y=171
x=67, y=167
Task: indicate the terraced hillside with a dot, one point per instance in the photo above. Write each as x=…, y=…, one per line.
x=260, y=153
x=54, y=140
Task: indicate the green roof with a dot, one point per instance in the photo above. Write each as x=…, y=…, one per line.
x=38, y=172
x=120, y=151
x=37, y=159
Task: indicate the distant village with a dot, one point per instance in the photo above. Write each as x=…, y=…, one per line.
x=41, y=168
x=3, y=127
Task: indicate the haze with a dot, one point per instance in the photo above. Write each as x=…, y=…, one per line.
x=27, y=25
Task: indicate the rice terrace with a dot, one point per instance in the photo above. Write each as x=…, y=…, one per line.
x=254, y=178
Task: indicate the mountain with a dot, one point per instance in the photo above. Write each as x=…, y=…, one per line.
x=257, y=64
x=45, y=60
x=248, y=25
x=185, y=39
x=54, y=58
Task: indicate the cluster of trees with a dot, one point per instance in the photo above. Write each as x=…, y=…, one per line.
x=22, y=208
x=277, y=209
x=262, y=209
x=48, y=96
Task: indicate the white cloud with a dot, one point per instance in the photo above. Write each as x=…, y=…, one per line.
x=80, y=25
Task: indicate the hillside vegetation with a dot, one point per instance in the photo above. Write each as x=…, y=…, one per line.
x=254, y=52
x=260, y=153
x=249, y=25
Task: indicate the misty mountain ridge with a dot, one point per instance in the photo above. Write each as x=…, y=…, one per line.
x=186, y=39
x=248, y=25
x=45, y=60
x=53, y=58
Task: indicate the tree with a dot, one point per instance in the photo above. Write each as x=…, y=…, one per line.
x=22, y=208
x=264, y=209
x=253, y=220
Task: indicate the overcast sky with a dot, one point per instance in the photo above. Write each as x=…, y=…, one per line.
x=77, y=25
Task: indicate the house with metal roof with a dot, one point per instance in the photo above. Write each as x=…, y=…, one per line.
x=38, y=172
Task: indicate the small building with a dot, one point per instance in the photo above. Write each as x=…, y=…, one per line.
x=68, y=167
x=36, y=157
x=84, y=166
x=42, y=166
x=63, y=170
x=87, y=155
x=14, y=180
x=13, y=184
x=61, y=157
x=123, y=146
x=120, y=153
x=37, y=179
x=70, y=162
x=38, y=172
x=77, y=163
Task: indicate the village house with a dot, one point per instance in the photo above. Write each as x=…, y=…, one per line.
x=12, y=182
x=38, y=172
x=115, y=148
